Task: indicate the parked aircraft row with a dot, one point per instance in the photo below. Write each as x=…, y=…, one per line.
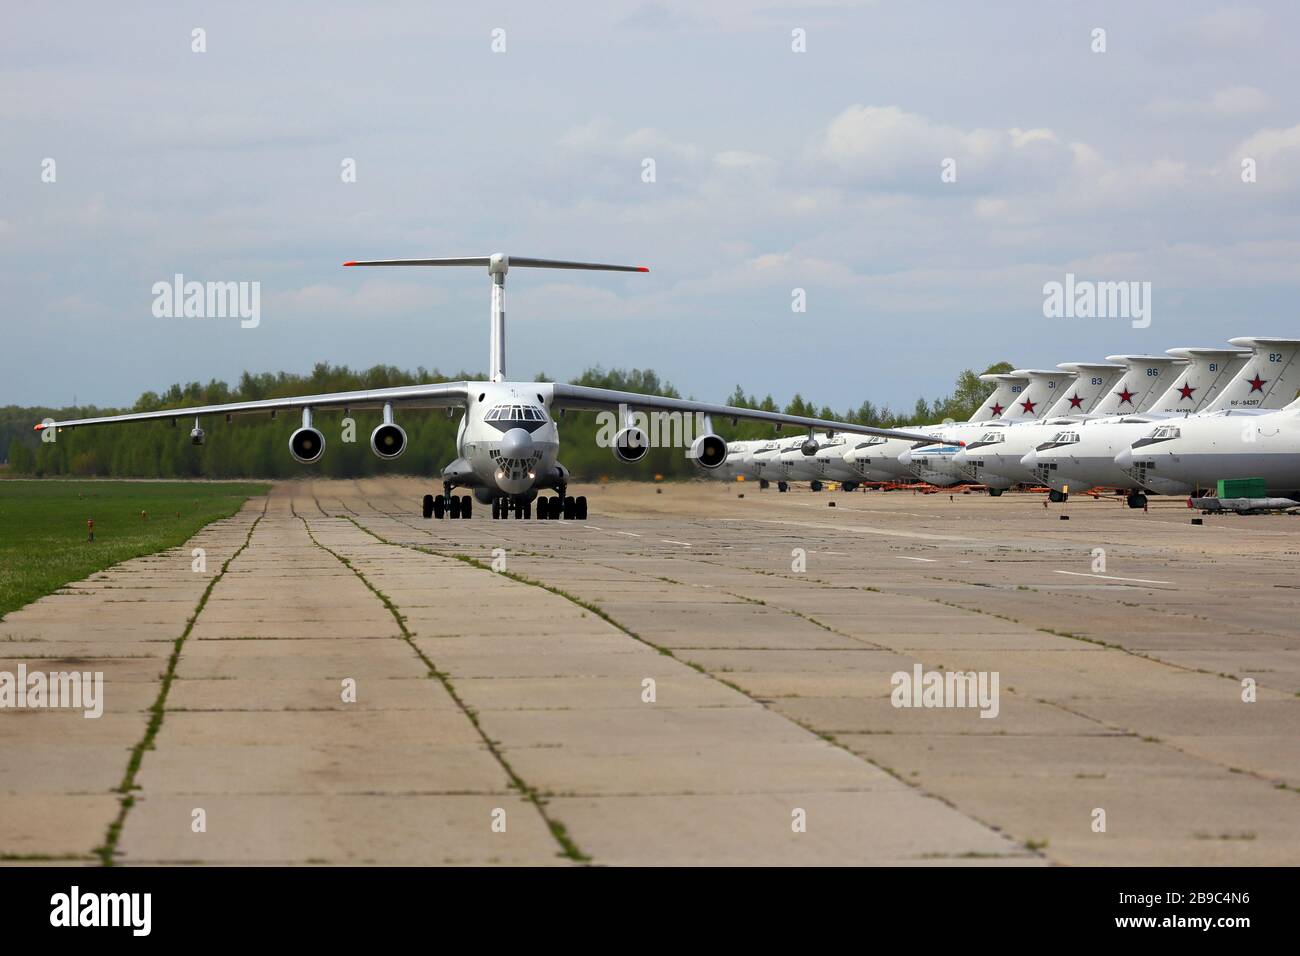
x=1170, y=424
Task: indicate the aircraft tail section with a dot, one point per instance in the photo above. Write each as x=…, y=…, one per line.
x=1269, y=380
x=1039, y=395
x=1008, y=387
x=1092, y=382
x=1139, y=386
x=498, y=264
x=1208, y=371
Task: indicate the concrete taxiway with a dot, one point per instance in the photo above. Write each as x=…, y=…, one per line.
x=687, y=677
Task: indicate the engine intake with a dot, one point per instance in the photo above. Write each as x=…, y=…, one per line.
x=708, y=451
x=388, y=440
x=306, y=445
x=631, y=444
x=809, y=447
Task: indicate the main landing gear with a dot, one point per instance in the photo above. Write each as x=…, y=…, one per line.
x=1056, y=497
x=448, y=506
x=550, y=508
x=1136, y=499
x=567, y=507
x=782, y=486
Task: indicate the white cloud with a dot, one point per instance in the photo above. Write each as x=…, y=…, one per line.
x=1228, y=102
x=887, y=147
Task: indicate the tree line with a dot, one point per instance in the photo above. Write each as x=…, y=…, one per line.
x=256, y=446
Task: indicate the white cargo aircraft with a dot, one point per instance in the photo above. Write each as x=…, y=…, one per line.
x=934, y=462
x=767, y=461
x=846, y=460
x=877, y=459
x=985, y=460
x=1189, y=456
x=1234, y=440
x=1206, y=372
x=508, y=440
x=1084, y=456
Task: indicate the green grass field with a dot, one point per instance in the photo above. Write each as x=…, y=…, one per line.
x=43, y=527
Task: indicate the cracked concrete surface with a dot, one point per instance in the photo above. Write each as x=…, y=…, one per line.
x=500, y=718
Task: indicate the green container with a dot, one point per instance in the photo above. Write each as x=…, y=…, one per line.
x=1242, y=488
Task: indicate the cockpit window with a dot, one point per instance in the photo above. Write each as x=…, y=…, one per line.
x=988, y=438
x=1165, y=432
x=514, y=413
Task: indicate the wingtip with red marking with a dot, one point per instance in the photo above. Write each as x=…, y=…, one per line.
x=350, y=263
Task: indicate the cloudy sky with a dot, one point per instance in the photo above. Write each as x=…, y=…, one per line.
x=774, y=170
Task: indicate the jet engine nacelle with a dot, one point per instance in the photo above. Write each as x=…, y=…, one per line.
x=631, y=444
x=809, y=447
x=196, y=436
x=388, y=440
x=708, y=451
x=306, y=445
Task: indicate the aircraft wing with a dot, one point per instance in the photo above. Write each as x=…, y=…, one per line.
x=407, y=396
x=582, y=397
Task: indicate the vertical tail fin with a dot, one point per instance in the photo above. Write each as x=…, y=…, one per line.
x=1093, y=380
x=498, y=265
x=1270, y=378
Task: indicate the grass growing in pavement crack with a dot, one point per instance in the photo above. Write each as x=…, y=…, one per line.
x=529, y=792
x=109, y=847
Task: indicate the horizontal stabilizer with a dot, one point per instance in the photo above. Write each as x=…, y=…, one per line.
x=507, y=261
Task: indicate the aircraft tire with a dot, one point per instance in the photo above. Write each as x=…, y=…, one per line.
x=427, y=507
x=580, y=507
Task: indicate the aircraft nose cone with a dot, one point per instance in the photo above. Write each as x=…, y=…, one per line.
x=905, y=458
x=516, y=443
x=1030, y=460
x=1125, y=459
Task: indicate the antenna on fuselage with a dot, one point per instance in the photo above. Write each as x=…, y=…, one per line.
x=498, y=265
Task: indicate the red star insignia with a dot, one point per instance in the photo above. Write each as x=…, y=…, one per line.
x=1257, y=383
x=1076, y=401
x=1027, y=405
x=1125, y=396
x=997, y=409
x=1185, y=391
